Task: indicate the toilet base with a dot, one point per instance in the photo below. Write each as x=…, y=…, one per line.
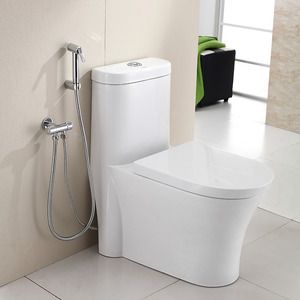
x=194, y=238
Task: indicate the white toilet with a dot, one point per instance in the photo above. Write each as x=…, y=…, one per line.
x=182, y=210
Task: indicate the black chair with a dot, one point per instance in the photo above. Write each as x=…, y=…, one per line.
x=217, y=71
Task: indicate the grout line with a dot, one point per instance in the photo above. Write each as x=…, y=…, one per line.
x=161, y=289
x=297, y=221
x=272, y=231
x=275, y=214
x=262, y=287
x=43, y=288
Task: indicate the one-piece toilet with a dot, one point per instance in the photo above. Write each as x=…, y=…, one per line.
x=182, y=210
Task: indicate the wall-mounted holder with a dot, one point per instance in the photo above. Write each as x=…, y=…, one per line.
x=70, y=85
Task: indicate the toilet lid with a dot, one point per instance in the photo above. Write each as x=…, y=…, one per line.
x=197, y=168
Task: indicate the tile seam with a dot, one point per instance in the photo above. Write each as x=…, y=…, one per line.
x=161, y=289
x=264, y=288
x=275, y=229
x=43, y=288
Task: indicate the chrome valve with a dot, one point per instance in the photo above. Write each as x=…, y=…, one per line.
x=54, y=129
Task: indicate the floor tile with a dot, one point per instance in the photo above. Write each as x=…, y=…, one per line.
x=24, y=289
x=277, y=139
x=256, y=110
x=248, y=139
x=238, y=127
x=289, y=156
x=234, y=109
x=282, y=197
x=235, y=137
x=88, y=275
x=230, y=127
x=262, y=223
x=240, y=290
x=220, y=112
x=273, y=262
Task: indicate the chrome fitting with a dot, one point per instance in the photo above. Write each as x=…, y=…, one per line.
x=76, y=50
x=55, y=129
x=76, y=53
x=46, y=123
x=70, y=85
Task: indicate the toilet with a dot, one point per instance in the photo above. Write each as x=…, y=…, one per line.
x=182, y=210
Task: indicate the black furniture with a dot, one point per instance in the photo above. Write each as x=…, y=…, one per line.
x=217, y=71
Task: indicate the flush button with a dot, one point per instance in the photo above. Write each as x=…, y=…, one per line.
x=134, y=64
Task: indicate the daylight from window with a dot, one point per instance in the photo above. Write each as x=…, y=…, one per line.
x=247, y=27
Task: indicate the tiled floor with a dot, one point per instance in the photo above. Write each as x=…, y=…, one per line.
x=239, y=127
x=270, y=263
x=270, y=270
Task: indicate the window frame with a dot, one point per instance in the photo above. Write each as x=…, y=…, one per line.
x=220, y=26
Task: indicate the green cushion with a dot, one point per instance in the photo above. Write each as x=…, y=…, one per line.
x=204, y=43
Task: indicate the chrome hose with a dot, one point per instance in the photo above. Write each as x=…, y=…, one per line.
x=67, y=183
x=55, y=139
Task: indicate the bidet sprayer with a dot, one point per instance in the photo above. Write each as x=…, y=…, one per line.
x=76, y=54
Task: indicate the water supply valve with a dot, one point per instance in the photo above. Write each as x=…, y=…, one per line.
x=54, y=129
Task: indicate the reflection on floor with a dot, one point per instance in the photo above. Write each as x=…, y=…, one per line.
x=270, y=263
x=269, y=271
x=239, y=127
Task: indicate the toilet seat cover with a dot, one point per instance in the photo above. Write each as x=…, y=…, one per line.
x=197, y=168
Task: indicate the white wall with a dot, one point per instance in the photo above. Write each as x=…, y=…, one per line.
x=159, y=28
x=34, y=65
x=208, y=15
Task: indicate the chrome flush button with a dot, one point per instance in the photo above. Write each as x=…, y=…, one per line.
x=134, y=64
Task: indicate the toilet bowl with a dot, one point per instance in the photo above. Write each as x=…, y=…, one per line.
x=182, y=210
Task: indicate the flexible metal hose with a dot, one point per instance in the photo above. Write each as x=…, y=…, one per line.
x=67, y=183
x=55, y=139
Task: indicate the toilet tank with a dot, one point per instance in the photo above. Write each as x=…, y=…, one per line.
x=130, y=111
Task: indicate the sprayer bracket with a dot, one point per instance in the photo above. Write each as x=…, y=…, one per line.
x=72, y=86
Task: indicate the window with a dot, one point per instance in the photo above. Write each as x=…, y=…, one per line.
x=247, y=27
